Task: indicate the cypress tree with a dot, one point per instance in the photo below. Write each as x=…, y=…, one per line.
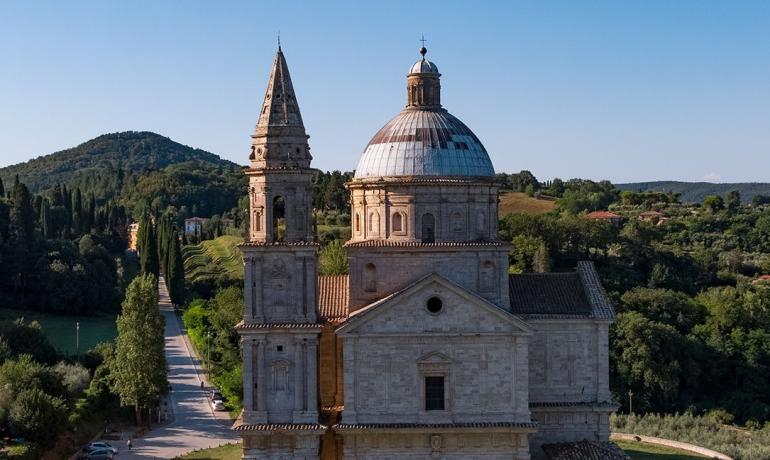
x=175, y=274
x=45, y=219
x=149, y=250
x=77, y=212
x=2, y=188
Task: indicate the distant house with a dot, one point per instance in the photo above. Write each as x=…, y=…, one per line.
x=606, y=216
x=133, y=236
x=763, y=279
x=653, y=217
x=193, y=225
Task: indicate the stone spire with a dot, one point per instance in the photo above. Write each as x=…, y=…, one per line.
x=279, y=140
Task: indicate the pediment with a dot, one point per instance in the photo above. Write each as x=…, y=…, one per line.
x=406, y=312
x=435, y=358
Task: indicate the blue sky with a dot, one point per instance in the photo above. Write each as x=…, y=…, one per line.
x=622, y=90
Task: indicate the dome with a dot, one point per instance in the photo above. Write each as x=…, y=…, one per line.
x=424, y=143
x=424, y=66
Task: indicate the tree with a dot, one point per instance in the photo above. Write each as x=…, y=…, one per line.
x=148, y=249
x=714, y=203
x=45, y=219
x=733, y=201
x=333, y=259
x=175, y=273
x=36, y=415
x=139, y=367
x=2, y=189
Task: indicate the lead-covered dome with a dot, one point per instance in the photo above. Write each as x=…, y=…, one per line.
x=425, y=143
x=424, y=139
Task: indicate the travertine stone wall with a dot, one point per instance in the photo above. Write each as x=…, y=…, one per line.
x=280, y=376
x=424, y=446
x=464, y=212
x=378, y=271
x=482, y=356
x=277, y=446
x=569, y=361
x=280, y=284
x=570, y=424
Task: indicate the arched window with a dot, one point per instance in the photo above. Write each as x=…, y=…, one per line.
x=487, y=276
x=257, y=221
x=428, y=228
x=456, y=222
x=398, y=222
x=370, y=278
x=374, y=223
x=358, y=223
x=279, y=218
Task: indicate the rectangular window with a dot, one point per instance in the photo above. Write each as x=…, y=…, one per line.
x=434, y=393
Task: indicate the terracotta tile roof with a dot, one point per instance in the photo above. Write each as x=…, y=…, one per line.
x=577, y=294
x=584, y=450
x=389, y=243
x=434, y=426
x=279, y=427
x=279, y=243
x=246, y=326
x=602, y=215
x=333, y=296
x=548, y=293
x=607, y=404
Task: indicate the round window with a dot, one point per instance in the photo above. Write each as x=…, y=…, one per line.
x=434, y=305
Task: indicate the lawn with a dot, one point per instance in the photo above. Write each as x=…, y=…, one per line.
x=61, y=329
x=645, y=451
x=514, y=202
x=226, y=452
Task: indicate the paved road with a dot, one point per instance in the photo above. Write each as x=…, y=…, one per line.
x=194, y=425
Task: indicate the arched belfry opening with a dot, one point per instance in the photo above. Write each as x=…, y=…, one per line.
x=428, y=228
x=279, y=219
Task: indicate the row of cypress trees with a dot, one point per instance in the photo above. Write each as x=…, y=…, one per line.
x=161, y=252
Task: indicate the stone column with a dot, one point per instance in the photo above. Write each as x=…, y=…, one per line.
x=248, y=374
x=298, y=375
x=311, y=355
x=261, y=381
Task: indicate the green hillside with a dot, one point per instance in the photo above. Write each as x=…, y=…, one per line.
x=213, y=259
x=127, y=152
x=695, y=192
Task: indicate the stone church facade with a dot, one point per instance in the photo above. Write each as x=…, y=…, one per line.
x=429, y=349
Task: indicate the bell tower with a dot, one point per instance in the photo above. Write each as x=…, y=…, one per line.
x=280, y=329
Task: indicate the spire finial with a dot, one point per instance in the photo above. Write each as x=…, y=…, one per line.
x=279, y=40
x=423, y=49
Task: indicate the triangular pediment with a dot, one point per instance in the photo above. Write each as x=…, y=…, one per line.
x=407, y=312
x=434, y=358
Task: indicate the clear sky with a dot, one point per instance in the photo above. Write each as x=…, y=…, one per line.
x=622, y=90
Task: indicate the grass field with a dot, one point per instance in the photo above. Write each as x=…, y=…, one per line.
x=514, y=202
x=213, y=258
x=226, y=452
x=645, y=451
x=60, y=329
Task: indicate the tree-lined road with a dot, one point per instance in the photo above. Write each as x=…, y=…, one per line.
x=195, y=426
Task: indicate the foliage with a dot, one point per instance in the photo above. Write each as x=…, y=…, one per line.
x=210, y=325
x=706, y=431
x=36, y=415
x=139, y=367
x=333, y=259
x=695, y=192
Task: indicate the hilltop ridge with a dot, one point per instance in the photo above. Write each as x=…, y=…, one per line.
x=128, y=151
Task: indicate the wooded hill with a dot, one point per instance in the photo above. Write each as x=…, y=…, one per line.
x=695, y=192
x=130, y=151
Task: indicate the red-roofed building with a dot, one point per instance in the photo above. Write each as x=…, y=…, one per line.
x=607, y=216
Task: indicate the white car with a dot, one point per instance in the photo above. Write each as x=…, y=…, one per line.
x=102, y=445
x=217, y=404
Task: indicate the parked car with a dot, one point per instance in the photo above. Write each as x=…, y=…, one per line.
x=217, y=404
x=215, y=394
x=102, y=445
x=97, y=454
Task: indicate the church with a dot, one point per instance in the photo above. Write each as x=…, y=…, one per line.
x=429, y=348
